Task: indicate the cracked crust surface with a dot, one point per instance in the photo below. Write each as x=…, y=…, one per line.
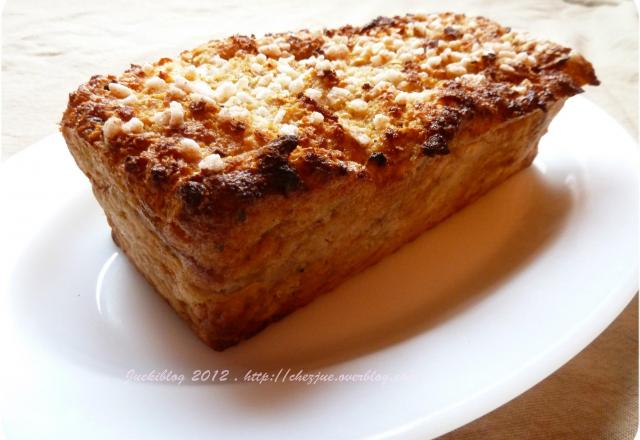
x=422, y=101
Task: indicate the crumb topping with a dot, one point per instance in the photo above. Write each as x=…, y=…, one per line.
x=395, y=90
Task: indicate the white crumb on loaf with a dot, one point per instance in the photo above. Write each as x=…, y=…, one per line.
x=212, y=162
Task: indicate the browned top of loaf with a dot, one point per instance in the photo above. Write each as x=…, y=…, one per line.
x=238, y=119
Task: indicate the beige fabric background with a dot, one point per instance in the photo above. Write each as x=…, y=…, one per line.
x=48, y=48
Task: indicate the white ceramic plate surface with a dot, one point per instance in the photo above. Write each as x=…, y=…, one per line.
x=453, y=325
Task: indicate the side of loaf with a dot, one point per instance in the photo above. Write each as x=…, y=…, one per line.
x=251, y=175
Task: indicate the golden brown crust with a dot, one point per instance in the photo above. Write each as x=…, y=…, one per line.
x=226, y=160
x=154, y=164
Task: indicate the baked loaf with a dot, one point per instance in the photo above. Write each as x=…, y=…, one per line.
x=248, y=176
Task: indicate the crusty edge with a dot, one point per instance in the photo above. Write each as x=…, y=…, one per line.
x=272, y=288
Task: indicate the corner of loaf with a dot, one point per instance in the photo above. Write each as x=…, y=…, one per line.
x=247, y=176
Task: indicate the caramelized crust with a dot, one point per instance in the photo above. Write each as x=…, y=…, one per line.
x=219, y=149
x=435, y=77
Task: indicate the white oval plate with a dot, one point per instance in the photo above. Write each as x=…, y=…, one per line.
x=453, y=325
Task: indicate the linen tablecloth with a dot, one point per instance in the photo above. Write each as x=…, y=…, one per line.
x=49, y=48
